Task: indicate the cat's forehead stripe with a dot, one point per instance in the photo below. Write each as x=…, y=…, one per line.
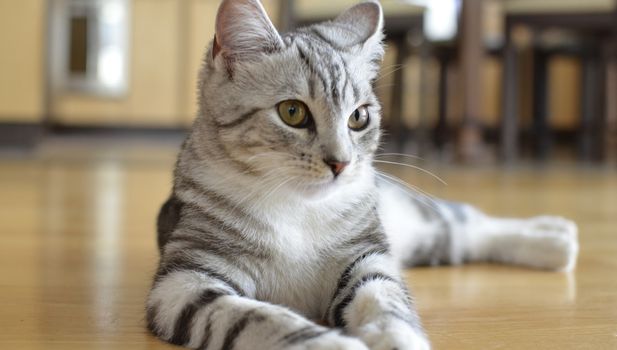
x=309, y=66
x=317, y=59
x=328, y=65
x=314, y=70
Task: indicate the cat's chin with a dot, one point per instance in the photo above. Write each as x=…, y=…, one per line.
x=320, y=191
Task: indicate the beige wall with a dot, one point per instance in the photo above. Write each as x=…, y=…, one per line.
x=311, y=9
x=572, y=6
x=152, y=98
x=168, y=40
x=21, y=60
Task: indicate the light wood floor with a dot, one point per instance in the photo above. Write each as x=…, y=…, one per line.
x=78, y=251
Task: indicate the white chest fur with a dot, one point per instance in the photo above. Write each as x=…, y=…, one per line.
x=304, y=268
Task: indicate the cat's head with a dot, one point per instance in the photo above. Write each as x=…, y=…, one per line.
x=297, y=107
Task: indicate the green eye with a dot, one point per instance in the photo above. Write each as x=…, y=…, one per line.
x=358, y=120
x=294, y=113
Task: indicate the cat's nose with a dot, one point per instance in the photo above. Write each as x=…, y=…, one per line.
x=336, y=165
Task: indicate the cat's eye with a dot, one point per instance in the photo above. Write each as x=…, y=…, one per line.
x=294, y=113
x=358, y=120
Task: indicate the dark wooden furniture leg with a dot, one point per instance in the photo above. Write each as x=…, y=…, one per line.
x=440, y=135
x=610, y=132
x=396, y=108
x=541, y=131
x=472, y=52
x=592, y=114
x=509, y=106
x=423, y=138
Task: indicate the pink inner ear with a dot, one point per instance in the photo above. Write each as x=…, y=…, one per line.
x=216, y=48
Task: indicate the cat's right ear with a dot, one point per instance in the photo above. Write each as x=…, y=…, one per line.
x=244, y=32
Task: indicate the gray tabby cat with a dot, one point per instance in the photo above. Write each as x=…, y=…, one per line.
x=278, y=234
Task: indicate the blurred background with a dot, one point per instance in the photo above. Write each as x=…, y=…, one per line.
x=463, y=80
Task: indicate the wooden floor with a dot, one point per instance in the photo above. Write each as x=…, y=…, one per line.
x=78, y=251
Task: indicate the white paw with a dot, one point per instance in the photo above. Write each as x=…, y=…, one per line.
x=331, y=341
x=397, y=339
x=550, y=242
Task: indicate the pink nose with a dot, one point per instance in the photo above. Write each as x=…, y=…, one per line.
x=336, y=166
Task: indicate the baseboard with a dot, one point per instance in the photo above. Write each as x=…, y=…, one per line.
x=117, y=130
x=22, y=135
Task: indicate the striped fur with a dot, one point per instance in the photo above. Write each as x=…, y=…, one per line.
x=259, y=240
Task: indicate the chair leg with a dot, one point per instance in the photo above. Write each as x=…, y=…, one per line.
x=441, y=128
x=471, y=145
x=610, y=131
x=609, y=146
x=397, y=127
x=509, y=114
x=591, y=129
x=541, y=131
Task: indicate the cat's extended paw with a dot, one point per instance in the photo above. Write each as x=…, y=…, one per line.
x=396, y=338
x=330, y=341
x=551, y=242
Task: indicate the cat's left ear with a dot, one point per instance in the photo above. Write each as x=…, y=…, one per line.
x=244, y=32
x=361, y=24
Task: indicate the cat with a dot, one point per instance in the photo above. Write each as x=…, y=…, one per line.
x=278, y=234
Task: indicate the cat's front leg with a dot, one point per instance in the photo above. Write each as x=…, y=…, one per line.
x=196, y=308
x=372, y=303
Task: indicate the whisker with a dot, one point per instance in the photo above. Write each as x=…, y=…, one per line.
x=415, y=188
x=267, y=178
x=413, y=191
x=413, y=167
x=400, y=155
x=401, y=181
x=263, y=154
x=387, y=69
x=273, y=191
x=424, y=197
x=382, y=86
x=390, y=72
